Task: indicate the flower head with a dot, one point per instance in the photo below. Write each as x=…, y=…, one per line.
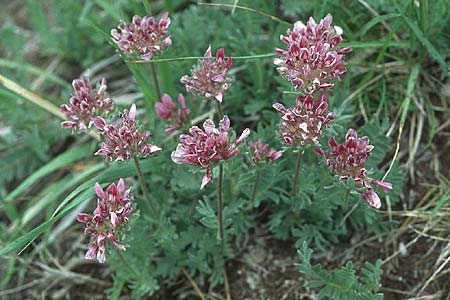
x=168, y=111
x=206, y=148
x=312, y=60
x=113, y=210
x=209, y=78
x=348, y=160
x=303, y=123
x=262, y=152
x=85, y=104
x=123, y=142
x=143, y=36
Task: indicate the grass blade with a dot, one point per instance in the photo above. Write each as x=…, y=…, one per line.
x=34, y=70
x=32, y=97
x=60, y=161
x=431, y=49
x=406, y=102
x=377, y=20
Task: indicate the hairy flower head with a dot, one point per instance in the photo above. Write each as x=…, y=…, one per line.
x=262, y=152
x=348, y=160
x=169, y=112
x=304, y=122
x=312, y=60
x=209, y=78
x=124, y=141
x=85, y=104
x=207, y=147
x=112, y=212
x=143, y=37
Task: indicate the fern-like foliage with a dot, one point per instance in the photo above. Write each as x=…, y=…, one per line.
x=341, y=283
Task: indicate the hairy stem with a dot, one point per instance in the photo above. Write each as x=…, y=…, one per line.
x=155, y=80
x=148, y=203
x=221, y=230
x=297, y=173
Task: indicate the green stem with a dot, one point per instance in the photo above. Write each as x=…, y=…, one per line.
x=126, y=264
x=155, y=80
x=297, y=173
x=220, y=205
x=258, y=175
x=157, y=60
x=347, y=193
x=148, y=202
x=219, y=110
x=221, y=229
x=234, y=6
x=147, y=7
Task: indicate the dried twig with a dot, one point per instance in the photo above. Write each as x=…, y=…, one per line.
x=194, y=285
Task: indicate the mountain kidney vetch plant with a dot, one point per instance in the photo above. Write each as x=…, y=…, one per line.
x=311, y=60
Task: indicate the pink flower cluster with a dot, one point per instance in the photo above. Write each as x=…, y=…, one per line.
x=312, y=60
x=85, y=103
x=143, y=36
x=348, y=160
x=262, y=152
x=303, y=123
x=206, y=148
x=168, y=111
x=122, y=142
x=113, y=210
x=209, y=78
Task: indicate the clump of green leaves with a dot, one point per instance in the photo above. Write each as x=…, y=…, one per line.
x=341, y=283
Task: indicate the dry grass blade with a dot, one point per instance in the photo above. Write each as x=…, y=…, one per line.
x=32, y=97
x=412, y=242
x=411, y=215
x=405, y=108
x=416, y=214
x=363, y=88
x=429, y=235
x=194, y=285
x=438, y=270
x=435, y=296
x=50, y=70
x=20, y=288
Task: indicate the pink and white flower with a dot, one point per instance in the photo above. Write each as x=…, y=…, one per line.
x=85, y=104
x=209, y=78
x=124, y=141
x=304, y=122
x=112, y=212
x=312, y=60
x=262, y=152
x=206, y=148
x=143, y=37
x=348, y=160
x=168, y=111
